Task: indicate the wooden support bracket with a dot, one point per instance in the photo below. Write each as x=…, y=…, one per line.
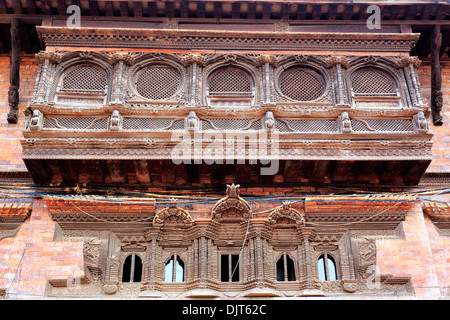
x=436, y=76
x=14, y=78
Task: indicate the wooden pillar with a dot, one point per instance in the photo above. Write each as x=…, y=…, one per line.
x=202, y=258
x=436, y=76
x=14, y=78
x=152, y=265
x=259, y=258
x=113, y=259
x=306, y=274
x=338, y=64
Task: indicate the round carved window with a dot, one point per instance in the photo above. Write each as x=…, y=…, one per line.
x=158, y=82
x=301, y=84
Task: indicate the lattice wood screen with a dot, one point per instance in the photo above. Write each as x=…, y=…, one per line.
x=85, y=78
x=301, y=84
x=158, y=82
x=369, y=81
x=230, y=79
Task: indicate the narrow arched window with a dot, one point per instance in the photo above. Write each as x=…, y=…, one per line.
x=174, y=270
x=132, y=269
x=326, y=268
x=285, y=268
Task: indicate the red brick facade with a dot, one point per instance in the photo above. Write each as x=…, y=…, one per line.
x=32, y=257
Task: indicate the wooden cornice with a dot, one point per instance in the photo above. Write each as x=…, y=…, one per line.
x=384, y=211
x=439, y=213
x=213, y=39
x=14, y=212
x=77, y=209
x=203, y=9
x=12, y=215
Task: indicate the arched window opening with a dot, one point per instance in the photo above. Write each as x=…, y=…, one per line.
x=174, y=270
x=285, y=269
x=372, y=87
x=327, y=268
x=132, y=269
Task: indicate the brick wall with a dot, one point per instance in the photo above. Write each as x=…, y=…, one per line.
x=32, y=257
x=10, y=148
x=422, y=254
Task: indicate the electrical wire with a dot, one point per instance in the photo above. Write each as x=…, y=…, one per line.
x=127, y=200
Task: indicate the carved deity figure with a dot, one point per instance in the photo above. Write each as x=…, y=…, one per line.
x=269, y=120
x=421, y=123
x=345, y=123
x=36, y=120
x=115, y=121
x=192, y=121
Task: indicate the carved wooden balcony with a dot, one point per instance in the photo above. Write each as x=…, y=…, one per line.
x=351, y=118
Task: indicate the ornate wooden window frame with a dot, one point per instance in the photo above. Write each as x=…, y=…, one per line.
x=174, y=258
x=230, y=252
x=238, y=62
x=387, y=67
x=307, y=62
x=284, y=255
x=144, y=63
x=80, y=99
x=326, y=257
x=328, y=250
x=123, y=258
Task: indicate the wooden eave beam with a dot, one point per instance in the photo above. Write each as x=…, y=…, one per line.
x=395, y=10
x=251, y=18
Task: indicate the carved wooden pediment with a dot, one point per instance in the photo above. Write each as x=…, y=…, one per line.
x=286, y=217
x=232, y=207
x=173, y=217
